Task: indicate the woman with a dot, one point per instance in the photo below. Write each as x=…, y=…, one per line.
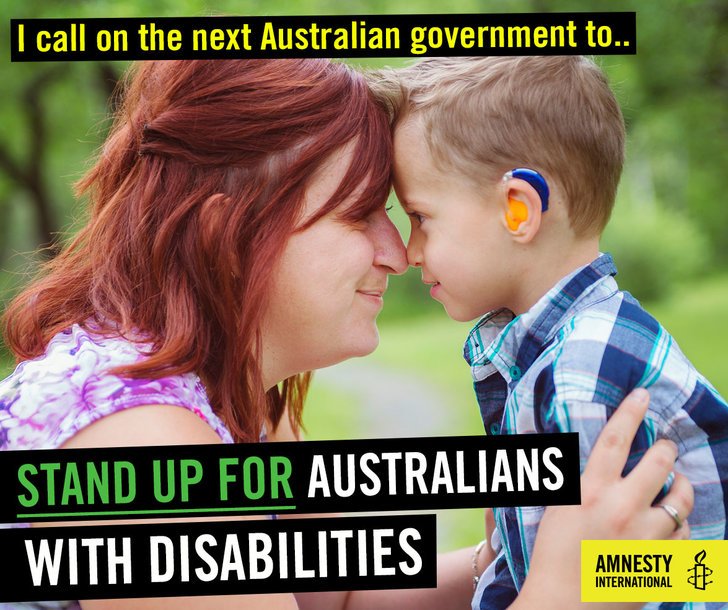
x=237, y=240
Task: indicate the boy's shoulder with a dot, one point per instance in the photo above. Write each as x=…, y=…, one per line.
x=611, y=346
x=617, y=322
x=604, y=351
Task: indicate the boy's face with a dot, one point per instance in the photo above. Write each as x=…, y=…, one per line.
x=458, y=236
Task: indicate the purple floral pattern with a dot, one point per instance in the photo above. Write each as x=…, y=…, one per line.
x=47, y=400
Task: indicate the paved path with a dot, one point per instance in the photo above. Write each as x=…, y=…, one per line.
x=391, y=403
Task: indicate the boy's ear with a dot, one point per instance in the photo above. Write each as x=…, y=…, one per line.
x=522, y=213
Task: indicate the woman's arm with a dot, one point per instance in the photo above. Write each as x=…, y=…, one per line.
x=612, y=508
x=454, y=590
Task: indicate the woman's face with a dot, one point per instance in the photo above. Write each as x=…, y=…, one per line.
x=330, y=281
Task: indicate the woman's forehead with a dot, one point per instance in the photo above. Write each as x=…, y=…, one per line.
x=327, y=179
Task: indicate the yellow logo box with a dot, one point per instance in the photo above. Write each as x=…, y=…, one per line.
x=654, y=570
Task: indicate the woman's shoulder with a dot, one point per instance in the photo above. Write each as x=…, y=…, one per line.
x=47, y=400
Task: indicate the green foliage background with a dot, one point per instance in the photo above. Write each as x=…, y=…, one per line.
x=669, y=228
x=674, y=93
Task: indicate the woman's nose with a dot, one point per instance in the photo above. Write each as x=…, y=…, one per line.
x=389, y=248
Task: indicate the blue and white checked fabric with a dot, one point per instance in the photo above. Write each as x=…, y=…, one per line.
x=565, y=366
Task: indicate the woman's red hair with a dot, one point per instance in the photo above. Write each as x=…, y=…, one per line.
x=196, y=190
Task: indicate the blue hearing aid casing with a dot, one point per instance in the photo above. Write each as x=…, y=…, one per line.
x=536, y=180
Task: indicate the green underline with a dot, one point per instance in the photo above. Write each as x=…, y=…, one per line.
x=160, y=511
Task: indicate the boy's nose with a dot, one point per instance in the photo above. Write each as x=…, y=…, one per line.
x=414, y=251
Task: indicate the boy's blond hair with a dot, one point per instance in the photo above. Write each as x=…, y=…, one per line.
x=485, y=116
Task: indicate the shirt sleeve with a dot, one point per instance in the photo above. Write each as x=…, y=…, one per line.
x=496, y=589
x=585, y=417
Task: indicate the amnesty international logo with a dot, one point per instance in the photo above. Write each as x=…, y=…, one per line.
x=700, y=572
x=644, y=571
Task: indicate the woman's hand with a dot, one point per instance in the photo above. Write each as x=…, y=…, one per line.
x=612, y=507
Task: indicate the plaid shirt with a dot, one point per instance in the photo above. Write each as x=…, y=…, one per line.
x=565, y=366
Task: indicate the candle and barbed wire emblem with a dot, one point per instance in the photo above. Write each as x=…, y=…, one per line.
x=700, y=572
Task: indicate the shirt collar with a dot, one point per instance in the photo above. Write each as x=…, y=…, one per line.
x=509, y=344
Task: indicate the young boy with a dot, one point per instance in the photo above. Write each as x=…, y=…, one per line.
x=508, y=169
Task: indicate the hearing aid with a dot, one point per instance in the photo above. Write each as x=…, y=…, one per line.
x=516, y=214
x=517, y=210
x=536, y=180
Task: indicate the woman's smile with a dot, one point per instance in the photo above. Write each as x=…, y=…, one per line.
x=373, y=295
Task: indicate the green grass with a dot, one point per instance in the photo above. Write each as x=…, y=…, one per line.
x=7, y=363
x=697, y=316
x=334, y=412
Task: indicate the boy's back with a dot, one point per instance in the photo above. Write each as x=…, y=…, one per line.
x=564, y=366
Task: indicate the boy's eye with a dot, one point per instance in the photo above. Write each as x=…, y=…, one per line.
x=416, y=217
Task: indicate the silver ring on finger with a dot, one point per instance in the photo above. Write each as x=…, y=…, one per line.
x=672, y=511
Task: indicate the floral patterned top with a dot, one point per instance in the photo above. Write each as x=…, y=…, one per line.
x=47, y=400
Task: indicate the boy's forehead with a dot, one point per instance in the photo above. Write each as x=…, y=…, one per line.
x=411, y=150
x=419, y=180
x=410, y=127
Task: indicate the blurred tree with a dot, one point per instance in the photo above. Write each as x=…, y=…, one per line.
x=29, y=173
x=678, y=109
